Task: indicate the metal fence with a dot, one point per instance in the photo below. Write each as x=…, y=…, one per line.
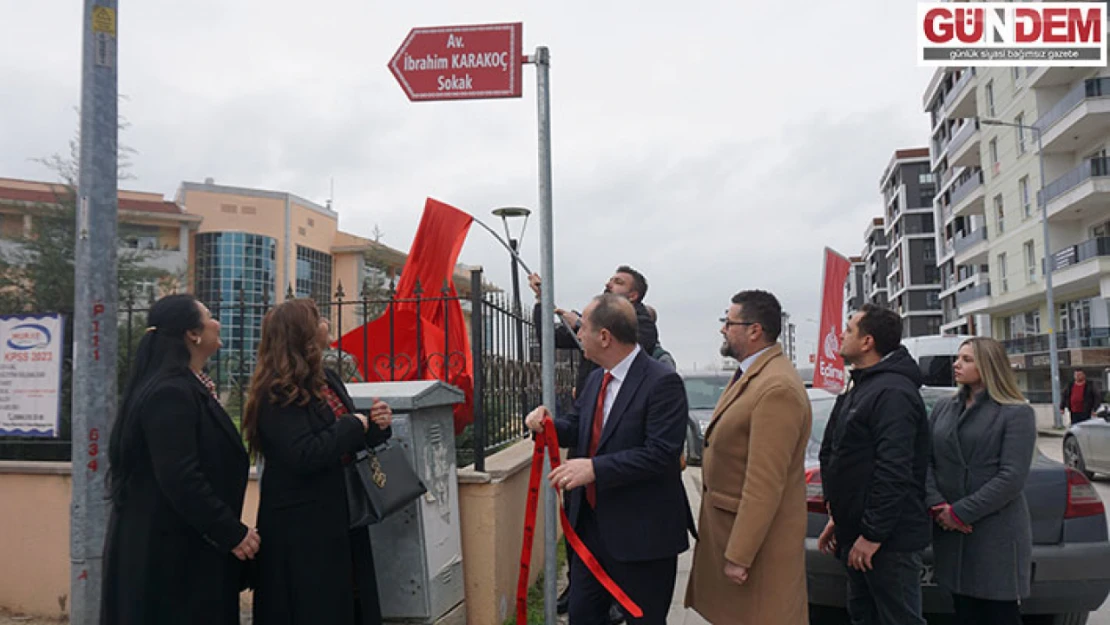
x=504, y=352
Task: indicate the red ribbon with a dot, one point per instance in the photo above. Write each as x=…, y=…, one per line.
x=548, y=441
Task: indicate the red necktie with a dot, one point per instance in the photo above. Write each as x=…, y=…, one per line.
x=595, y=434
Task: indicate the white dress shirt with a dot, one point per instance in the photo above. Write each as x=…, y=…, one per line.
x=619, y=373
x=750, y=360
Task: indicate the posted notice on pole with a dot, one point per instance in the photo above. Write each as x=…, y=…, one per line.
x=31, y=375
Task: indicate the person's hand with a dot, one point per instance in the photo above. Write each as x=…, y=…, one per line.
x=381, y=414
x=826, y=543
x=248, y=547
x=534, y=282
x=862, y=552
x=572, y=474
x=735, y=573
x=364, y=420
x=534, y=420
x=570, y=317
x=947, y=519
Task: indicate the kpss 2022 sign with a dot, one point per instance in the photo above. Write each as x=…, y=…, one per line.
x=30, y=374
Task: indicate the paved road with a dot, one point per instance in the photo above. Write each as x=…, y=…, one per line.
x=1051, y=446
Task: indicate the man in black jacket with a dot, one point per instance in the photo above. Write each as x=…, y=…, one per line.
x=874, y=459
x=626, y=282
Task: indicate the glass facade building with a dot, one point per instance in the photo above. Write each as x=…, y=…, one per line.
x=314, y=276
x=229, y=263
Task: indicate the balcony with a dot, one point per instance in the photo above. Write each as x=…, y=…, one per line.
x=963, y=151
x=1081, y=267
x=1080, y=190
x=1083, y=113
x=1042, y=77
x=975, y=299
x=1082, y=338
x=972, y=248
x=960, y=102
x=968, y=196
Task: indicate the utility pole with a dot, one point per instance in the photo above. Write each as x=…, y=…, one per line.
x=95, y=306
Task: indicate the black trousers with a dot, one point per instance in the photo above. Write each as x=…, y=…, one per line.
x=1079, y=417
x=888, y=594
x=650, y=584
x=974, y=611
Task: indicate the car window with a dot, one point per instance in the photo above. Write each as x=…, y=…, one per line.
x=702, y=393
x=822, y=408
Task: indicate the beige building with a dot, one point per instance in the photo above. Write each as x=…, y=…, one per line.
x=988, y=202
x=157, y=228
x=253, y=243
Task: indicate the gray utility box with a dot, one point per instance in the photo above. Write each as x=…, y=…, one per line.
x=418, y=550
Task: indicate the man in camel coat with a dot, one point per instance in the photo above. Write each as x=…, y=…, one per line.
x=749, y=562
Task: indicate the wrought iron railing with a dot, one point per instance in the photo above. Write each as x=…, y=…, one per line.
x=507, y=378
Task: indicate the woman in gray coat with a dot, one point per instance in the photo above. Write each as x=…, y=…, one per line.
x=983, y=443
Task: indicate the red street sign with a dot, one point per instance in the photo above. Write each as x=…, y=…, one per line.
x=460, y=62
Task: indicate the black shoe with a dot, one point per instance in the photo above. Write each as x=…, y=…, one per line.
x=616, y=615
x=563, y=603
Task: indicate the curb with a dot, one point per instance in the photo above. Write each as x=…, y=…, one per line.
x=1051, y=432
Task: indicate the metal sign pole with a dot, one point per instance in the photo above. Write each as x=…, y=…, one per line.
x=547, y=329
x=95, y=306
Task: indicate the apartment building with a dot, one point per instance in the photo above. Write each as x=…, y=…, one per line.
x=854, y=294
x=996, y=224
x=913, y=280
x=875, y=271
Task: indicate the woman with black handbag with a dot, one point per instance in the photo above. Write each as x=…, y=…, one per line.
x=299, y=417
x=175, y=547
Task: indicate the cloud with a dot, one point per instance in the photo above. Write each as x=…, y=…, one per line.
x=716, y=146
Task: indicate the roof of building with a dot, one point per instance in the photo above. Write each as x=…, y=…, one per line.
x=35, y=192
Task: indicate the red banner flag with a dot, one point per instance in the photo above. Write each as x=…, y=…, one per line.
x=829, y=372
x=424, y=334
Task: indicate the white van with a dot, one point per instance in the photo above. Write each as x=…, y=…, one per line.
x=935, y=355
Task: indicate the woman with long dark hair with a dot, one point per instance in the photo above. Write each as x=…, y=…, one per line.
x=178, y=474
x=314, y=569
x=983, y=443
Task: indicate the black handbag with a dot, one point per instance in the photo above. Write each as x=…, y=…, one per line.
x=380, y=482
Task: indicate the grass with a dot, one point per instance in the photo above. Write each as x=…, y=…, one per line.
x=535, y=592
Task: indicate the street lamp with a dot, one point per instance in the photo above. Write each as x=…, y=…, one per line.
x=1057, y=418
x=506, y=213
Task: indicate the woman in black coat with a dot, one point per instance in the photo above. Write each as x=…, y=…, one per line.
x=177, y=471
x=314, y=569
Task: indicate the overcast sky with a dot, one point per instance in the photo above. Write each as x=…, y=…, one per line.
x=715, y=146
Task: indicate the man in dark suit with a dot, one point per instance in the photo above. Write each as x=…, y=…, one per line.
x=626, y=499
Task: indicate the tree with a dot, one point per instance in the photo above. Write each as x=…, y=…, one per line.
x=377, y=287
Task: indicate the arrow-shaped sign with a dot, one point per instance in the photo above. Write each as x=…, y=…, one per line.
x=460, y=62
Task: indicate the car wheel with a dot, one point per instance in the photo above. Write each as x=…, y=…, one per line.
x=1073, y=456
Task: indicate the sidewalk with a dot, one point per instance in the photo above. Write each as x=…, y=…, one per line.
x=678, y=614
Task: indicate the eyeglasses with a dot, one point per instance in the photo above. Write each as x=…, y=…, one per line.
x=729, y=322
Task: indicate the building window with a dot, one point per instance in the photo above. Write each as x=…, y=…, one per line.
x=314, y=277
x=1020, y=128
x=250, y=210
x=1016, y=73
x=1030, y=262
x=1023, y=193
x=999, y=214
x=301, y=231
x=228, y=208
x=141, y=237
x=995, y=166
x=1002, y=273
x=311, y=222
x=990, y=98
